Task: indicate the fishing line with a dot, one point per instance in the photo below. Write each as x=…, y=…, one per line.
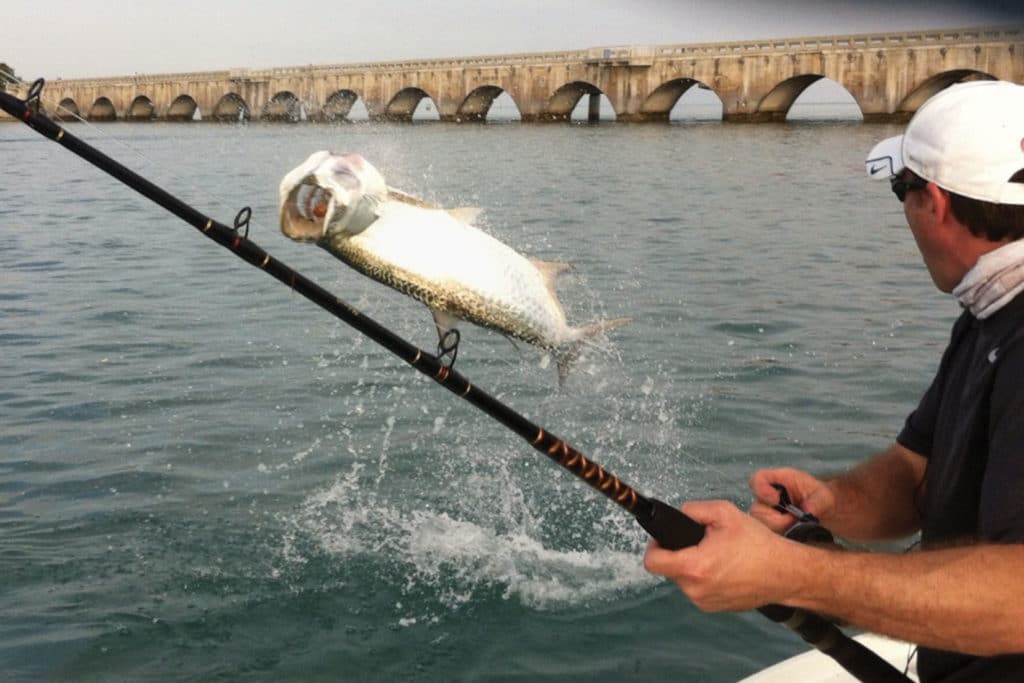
x=11, y=78
x=666, y=524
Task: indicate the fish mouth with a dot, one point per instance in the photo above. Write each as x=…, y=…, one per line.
x=306, y=211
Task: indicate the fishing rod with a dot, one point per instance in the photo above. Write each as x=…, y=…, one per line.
x=667, y=525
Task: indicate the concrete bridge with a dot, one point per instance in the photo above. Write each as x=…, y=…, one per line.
x=888, y=75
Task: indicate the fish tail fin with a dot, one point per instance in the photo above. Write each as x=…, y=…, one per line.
x=567, y=355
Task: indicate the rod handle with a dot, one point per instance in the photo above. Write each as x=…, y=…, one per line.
x=668, y=526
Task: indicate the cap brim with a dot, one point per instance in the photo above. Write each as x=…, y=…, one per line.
x=886, y=158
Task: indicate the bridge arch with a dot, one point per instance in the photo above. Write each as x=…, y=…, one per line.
x=404, y=104
x=564, y=100
x=596, y=108
x=825, y=100
x=284, y=106
x=359, y=111
x=183, y=108
x=67, y=110
x=141, y=109
x=659, y=104
x=701, y=103
x=775, y=105
x=941, y=81
x=230, y=108
x=504, y=108
x=102, y=110
x=339, y=105
x=478, y=103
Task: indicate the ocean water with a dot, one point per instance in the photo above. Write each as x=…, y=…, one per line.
x=205, y=477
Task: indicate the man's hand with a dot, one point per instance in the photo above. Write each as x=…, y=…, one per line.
x=733, y=568
x=806, y=492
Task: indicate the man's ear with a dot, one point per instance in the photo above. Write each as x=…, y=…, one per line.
x=940, y=203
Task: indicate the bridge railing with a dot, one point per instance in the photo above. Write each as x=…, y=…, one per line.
x=895, y=39
x=182, y=77
x=326, y=69
x=422, y=64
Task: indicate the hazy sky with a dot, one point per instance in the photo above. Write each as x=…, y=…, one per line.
x=117, y=37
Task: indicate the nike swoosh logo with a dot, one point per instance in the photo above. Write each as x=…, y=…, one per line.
x=876, y=169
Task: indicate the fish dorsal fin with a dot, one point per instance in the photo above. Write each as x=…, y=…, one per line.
x=550, y=271
x=466, y=214
x=407, y=198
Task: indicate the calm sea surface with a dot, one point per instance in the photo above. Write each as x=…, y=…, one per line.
x=203, y=476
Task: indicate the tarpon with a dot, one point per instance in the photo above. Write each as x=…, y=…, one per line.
x=436, y=256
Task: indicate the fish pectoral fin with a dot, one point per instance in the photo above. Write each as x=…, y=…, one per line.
x=551, y=271
x=362, y=215
x=465, y=214
x=444, y=323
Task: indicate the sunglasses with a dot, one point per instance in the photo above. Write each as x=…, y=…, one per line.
x=901, y=186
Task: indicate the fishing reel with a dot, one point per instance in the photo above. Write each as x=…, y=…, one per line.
x=808, y=528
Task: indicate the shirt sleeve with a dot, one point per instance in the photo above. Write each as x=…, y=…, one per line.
x=919, y=427
x=1002, y=498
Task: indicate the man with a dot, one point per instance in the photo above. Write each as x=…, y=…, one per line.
x=956, y=470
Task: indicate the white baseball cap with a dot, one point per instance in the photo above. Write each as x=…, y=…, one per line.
x=967, y=139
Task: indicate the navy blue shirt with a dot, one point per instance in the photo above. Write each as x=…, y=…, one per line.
x=970, y=427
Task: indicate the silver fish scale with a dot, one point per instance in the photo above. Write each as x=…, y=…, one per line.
x=464, y=304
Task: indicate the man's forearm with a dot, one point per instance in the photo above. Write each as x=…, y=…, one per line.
x=968, y=599
x=875, y=500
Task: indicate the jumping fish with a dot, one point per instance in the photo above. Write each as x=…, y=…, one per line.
x=436, y=256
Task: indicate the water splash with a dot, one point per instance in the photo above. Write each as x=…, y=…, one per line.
x=448, y=560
